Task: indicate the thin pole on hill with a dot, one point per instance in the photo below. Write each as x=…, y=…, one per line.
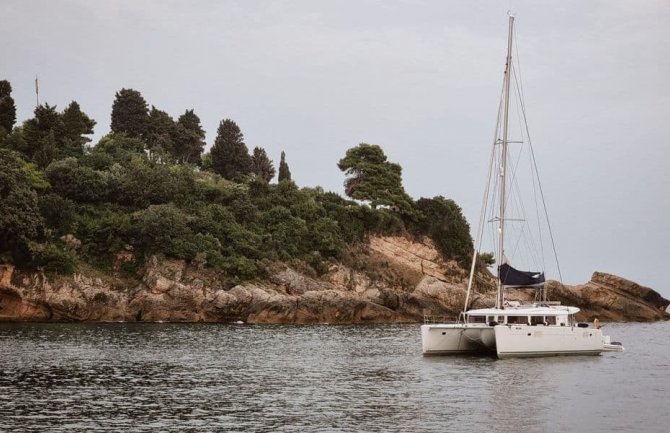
x=37, y=92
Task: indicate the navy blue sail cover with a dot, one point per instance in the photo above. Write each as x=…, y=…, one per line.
x=514, y=277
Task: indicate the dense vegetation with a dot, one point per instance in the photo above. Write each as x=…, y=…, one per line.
x=147, y=188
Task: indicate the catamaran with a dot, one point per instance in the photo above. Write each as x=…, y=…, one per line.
x=513, y=328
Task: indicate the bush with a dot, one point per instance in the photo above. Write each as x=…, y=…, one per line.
x=53, y=258
x=58, y=213
x=76, y=182
x=114, y=148
x=103, y=230
x=326, y=237
x=20, y=220
x=443, y=221
x=242, y=268
x=155, y=228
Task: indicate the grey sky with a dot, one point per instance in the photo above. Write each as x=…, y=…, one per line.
x=420, y=78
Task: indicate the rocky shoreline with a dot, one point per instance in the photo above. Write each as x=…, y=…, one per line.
x=408, y=281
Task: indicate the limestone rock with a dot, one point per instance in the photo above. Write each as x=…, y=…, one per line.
x=402, y=281
x=609, y=297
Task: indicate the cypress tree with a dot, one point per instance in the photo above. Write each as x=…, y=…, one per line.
x=284, y=172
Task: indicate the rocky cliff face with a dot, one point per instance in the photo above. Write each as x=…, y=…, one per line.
x=397, y=280
x=610, y=297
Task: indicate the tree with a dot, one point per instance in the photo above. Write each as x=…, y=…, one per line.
x=158, y=226
x=20, y=219
x=52, y=135
x=372, y=178
x=59, y=213
x=443, y=221
x=230, y=156
x=261, y=165
x=71, y=180
x=41, y=134
x=7, y=109
x=130, y=114
x=284, y=172
x=15, y=141
x=114, y=149
x=76, y=124
x=161, y=132
x=190, y=140
x=488, y=258
x=46, y=151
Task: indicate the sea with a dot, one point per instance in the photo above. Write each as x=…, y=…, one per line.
x=122, y=377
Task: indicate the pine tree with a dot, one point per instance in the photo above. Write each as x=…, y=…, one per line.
x=261, y=165
x=190, y=140
x=230, y=156
x=284, y=172
x=7, y=109
x=130, y=114
x=373, y=178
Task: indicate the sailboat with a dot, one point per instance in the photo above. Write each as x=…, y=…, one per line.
x=512, y=328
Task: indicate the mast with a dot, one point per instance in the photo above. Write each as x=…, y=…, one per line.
x=503, y=156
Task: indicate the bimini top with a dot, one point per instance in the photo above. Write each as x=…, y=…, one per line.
x=525, y=310
x=516, y=278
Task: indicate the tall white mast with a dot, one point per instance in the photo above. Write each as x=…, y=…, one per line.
x=503, y=162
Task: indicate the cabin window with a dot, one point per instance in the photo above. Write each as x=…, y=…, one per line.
x=537, y=320
x=477, y=319
x=517, y=320
x=551, y=320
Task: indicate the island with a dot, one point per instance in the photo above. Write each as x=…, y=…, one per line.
x=146, y=226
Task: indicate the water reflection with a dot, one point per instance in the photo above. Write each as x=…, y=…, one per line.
x=121, y=377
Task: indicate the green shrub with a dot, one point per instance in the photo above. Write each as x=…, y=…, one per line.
x=242, y=268
x=59, y=213
x=80, y=183
x=53, y=258
x=326, y=237
x=103, y=230
x=443, y=220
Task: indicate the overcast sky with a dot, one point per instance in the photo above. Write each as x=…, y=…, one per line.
x=420, y=78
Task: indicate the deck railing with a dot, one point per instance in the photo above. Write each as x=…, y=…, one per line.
x=430, y=319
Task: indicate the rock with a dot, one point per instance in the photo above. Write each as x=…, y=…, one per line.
x=638, y=292
x=297, y=284
x=420, y=256
x=609, y=297
x=400, y=280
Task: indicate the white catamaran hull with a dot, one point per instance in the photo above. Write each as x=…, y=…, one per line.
x=455, y=339
x=514, y=341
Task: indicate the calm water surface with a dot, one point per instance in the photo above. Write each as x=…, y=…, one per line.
x=182, y=378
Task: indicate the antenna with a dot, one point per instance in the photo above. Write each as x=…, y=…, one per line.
x=37, y=91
